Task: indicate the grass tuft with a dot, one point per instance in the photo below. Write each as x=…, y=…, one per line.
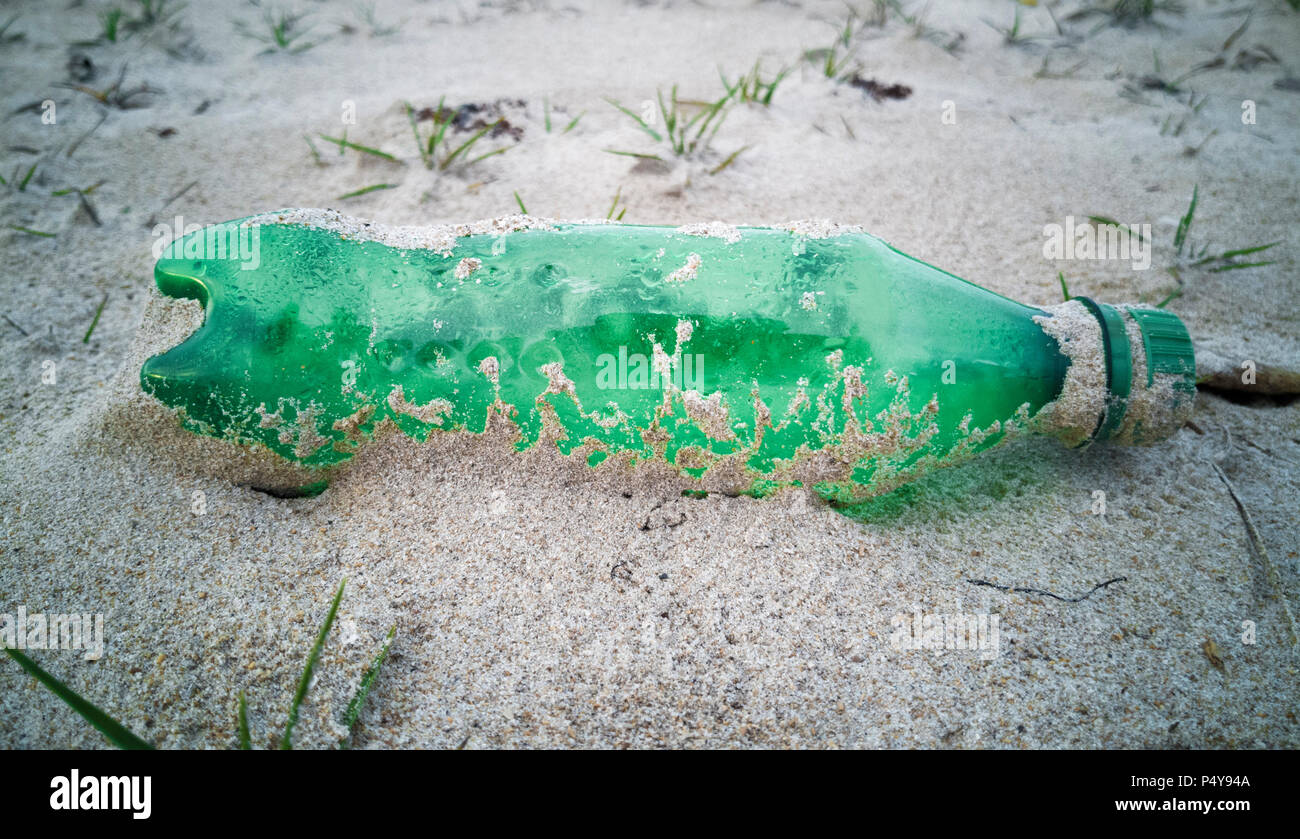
x=685, y=135
x=123, y=738
x=1128, y=12
x=115, y=95
x=281, y=30
x=752, y=88
x=365, y=12
x=1011, y=35
x=116, y=23
x=1188, y=256
x=922, y=31
x=108, y=21
x=464, y=147
x=438, y=139
x=829, y=61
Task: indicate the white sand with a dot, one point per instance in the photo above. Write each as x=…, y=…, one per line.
x=539, y=606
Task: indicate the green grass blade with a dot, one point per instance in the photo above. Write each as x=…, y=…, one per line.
x=644, y=127
x=1132, y=230
x=366, y=190
x=1173, y=295
x=614, y=205
x=315, y=153
x=245, y=739
x=116, y=733
x=1185, y=223
x=486, y=155
x=637, y=154
x=1238, y=265
x=343, y=143
x=669, y=114
x=771, y=87
x=436, y=138
x=465, y=146
x=99, y=311
x=30, y=232
x=305, y=681
x=1244, y=251
x=415, y=130
x=719, y=111
x=1227, y=256
x=730, y=86
x=1065, y=289
x=731, y=158
x=353, y=712
x=520, y=202
x=574, y=123
x=706, y=115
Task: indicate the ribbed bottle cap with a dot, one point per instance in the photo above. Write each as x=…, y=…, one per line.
x=1168, y=346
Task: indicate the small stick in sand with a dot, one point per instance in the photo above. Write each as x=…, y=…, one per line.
x=1020, y=590
x=1257, y=547
x=10, y=321
x=153, y=219
x=76, y=144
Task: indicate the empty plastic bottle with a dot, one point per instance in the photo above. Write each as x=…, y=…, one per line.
x=745, y=357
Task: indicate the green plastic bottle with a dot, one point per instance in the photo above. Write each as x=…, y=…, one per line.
x=748, y=358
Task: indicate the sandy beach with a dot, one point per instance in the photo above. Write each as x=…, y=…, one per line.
x=1142, y=596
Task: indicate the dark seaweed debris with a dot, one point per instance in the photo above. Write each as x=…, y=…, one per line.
x=880, y=92
x=473, y=116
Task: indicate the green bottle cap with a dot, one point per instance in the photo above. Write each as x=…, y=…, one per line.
x=1168, y=347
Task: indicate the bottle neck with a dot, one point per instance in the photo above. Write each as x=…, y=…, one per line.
x=1131, y=378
